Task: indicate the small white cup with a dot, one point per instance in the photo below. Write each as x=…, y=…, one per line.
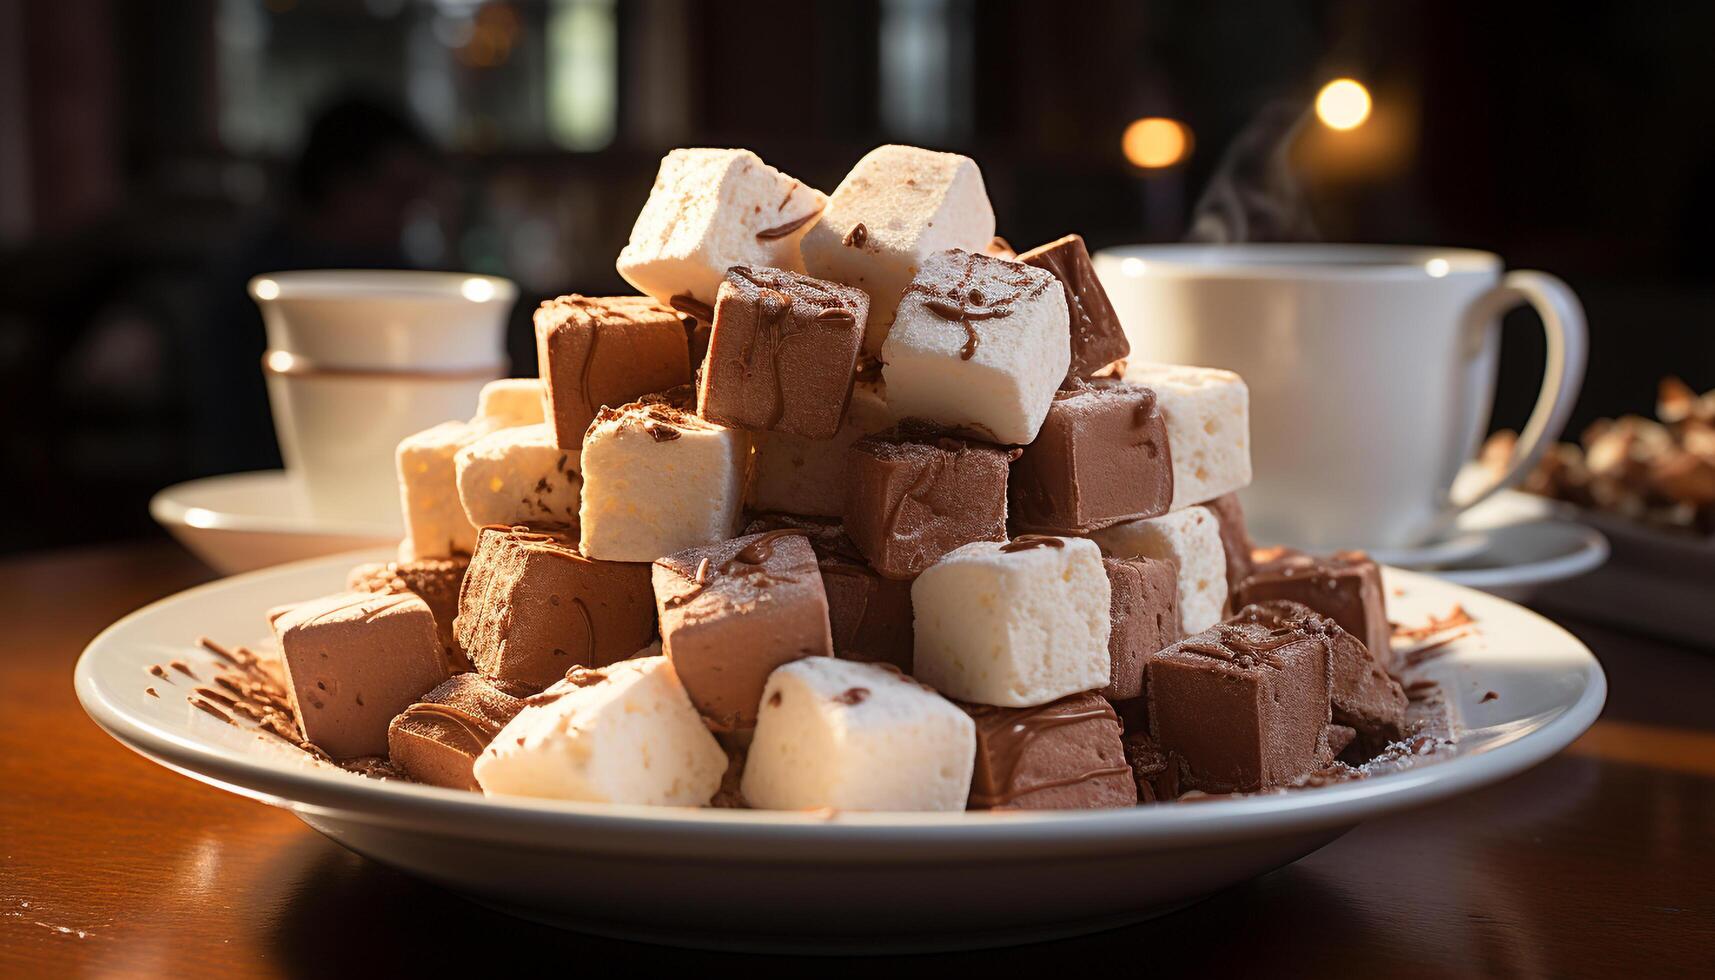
x=359, y=360
x=1371, y=371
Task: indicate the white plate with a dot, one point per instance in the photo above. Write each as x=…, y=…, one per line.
x=244, y=521
x=799, y=881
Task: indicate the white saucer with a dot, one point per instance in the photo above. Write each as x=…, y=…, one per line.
x=245, y=521
x=1522, y=687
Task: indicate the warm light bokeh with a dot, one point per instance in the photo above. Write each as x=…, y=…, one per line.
x=1155, y=142
x=1343, y=104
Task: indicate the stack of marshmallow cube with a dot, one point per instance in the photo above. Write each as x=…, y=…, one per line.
x=1013, y=625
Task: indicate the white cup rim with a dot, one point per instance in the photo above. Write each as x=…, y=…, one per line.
x=1307, y=261
x=395, y=284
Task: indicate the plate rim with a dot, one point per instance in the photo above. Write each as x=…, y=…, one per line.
x=790, y=836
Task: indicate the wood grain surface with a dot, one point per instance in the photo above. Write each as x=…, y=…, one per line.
x=1600, y=862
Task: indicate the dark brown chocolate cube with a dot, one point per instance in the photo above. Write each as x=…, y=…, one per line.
x=609, y=350
x=1064, y=755
x=436, y=740
x=1364, y=698
x=533, y=607
x=1242, y=704
x=353, y=661
x=732, y=612
x=868, y=615
x=1235, y=539
x=912, y=496
x=782, y=353
x=1143, y=614
x=1101, y=457
x=1345, y=586
x=434, y=580
x=1098, y=339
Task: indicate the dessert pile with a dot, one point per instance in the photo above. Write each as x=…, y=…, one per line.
x=855, y=508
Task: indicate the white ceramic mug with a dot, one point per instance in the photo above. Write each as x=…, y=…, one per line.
x=359, y=360
x=1371, y=371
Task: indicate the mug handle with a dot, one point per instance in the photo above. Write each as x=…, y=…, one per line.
x=1568, y=346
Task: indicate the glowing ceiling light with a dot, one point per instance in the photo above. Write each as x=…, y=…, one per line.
x=1343, y=104
x=1155, y=142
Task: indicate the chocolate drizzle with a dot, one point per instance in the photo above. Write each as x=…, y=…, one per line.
x=1004, y=735
x=965, y=305
x=1245, y=648
x=589, y=628
x=755, y=554
x=476, y=730
x=1027, y=542
x=775, y=322
x=781, y=231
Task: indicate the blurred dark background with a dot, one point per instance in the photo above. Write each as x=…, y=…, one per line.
x=153, y=155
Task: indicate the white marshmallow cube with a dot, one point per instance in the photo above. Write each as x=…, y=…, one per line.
x=657, y=481
x=512, y=401
x=857, y=736
x=980, y=344
x=625, y=733
x=796, y=475
x=1001, y=624
x=1207, y=412
x=912, y=203
x=1191, y=540
x=709, y=211
x=435, y=521
x=518, y=476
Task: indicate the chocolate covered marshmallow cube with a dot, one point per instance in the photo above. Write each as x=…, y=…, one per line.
x=734, y=611
x=434, y=580
x=1063, y=755
x=1014, y=624
x=855, y=736
x=897, y=207
x=608, y=350
x=1191, y=540
x=869, y=615
x=913, y=495
x=435, y=521
x=798, y=475
x=518, y=476
x=1345, y=586
x=533, y=606
x=1244, y=705
x=353, y=661
x=1364, y=698
x=1208, y=426
x=620, y=734
x=978, y=344
x=709, y=211
x=1098, y=339
x=658, y=479
x=513, y=401
x=1101, y=457
x=1143, y=618
x=782, y=353
x=436, y=740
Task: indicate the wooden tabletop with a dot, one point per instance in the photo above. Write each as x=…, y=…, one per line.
x=1598, y=862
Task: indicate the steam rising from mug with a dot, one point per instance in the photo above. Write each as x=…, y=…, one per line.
x=1254, y=195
